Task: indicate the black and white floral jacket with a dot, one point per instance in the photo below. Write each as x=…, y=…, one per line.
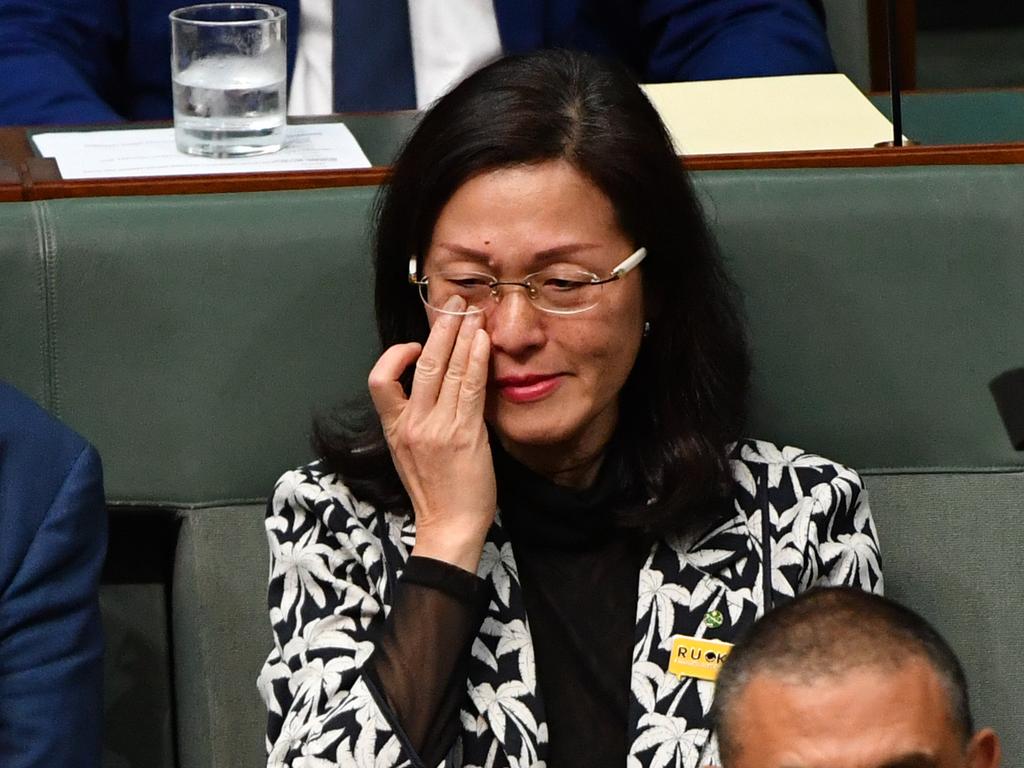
x=335, y=561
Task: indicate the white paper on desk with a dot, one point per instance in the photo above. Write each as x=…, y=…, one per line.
x=768, y=114
x=151, y=152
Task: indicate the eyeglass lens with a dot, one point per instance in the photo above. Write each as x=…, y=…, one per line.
x=560, y=291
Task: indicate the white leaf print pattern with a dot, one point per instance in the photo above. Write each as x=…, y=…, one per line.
x=328, y=587
x=675, y=743
x=650, y=683
x=303, y=563
x=361, y=602
x=644, y=681
x=327, y=632
x=659, y=599
x=500, y=567
x=785, y=551
x=515, y=638
x=706, y=692
x=313, y=762
x=852, y=557
x=504, y=708
x=780, y=461
x=744, y=477
x=482, y=652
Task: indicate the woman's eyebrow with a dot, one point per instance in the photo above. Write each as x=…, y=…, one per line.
x=569, y=249
x=465, y=252
x=542, y=256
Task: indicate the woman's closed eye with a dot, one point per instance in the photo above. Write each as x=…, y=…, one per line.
x=468, y=281
x=564, y=284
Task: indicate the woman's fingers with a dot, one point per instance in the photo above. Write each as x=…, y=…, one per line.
x=384, y=382
x=437, y=436
x=433, y=362
x=450, y=377
x=458, y=363
x=473, y=391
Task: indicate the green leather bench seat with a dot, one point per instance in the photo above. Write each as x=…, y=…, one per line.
x=881, y=303
x=190, y=338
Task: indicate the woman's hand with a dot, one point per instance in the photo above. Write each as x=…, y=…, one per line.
x=437, y=435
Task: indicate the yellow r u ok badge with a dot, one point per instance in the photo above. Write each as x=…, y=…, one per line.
x=694, y=657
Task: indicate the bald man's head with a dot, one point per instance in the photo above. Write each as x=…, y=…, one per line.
x=842, y=675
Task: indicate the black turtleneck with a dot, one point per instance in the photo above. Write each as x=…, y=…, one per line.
x=579, y=576
x=578, y=572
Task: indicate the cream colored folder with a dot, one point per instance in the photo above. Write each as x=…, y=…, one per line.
x=768, y=114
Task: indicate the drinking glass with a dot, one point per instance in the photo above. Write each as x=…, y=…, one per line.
x=228, y=72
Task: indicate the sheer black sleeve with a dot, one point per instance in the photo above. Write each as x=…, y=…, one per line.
x=422, y=653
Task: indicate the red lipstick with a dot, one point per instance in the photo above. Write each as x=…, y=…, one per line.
x=527, y=388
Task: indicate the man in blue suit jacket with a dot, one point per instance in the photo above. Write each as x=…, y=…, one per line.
x=82, y=61
x=53, y=538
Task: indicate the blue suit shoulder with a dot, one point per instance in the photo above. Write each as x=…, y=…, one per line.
x=53, y=519
x=37, y=452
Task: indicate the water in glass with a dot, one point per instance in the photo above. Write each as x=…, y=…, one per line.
x=230, y=105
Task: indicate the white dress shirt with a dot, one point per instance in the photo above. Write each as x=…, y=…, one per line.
x=450, y=39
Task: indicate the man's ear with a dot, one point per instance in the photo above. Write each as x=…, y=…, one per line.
x=984, y=751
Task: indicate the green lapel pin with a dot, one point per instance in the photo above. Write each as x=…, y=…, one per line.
x=714, y=619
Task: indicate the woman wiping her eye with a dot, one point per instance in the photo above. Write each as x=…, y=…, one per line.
x=551, y=501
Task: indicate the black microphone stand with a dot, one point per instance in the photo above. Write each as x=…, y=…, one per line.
x=894, y=76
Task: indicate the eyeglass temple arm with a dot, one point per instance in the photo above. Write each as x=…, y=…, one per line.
x=629, y=263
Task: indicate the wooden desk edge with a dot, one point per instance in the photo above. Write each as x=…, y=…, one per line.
x=40, y=182
x=871, y=157
x=11, y=189
x=192, y=185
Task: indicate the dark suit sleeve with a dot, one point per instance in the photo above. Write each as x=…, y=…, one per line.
x=58, y=60
x=719, y=39
x=51, y=643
